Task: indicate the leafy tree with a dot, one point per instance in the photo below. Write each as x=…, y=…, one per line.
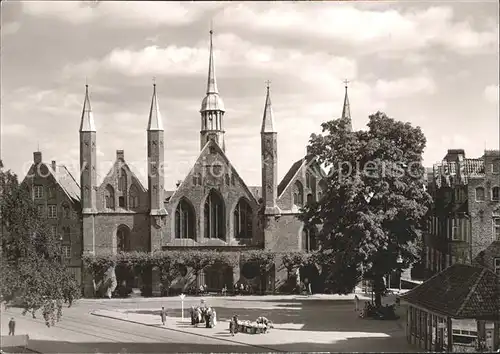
x=32, y=273
x=374, y=203
x=264, y=260
x=168, y=264
x=199, y=260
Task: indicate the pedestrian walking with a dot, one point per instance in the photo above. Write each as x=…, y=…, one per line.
x=356, y=302
x=12, y=326
x=163, y=315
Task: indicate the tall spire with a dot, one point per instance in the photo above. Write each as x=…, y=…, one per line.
x=87, y=123
x=212, y=82
x=268, y=125
x=346, y=109
x=155, y=121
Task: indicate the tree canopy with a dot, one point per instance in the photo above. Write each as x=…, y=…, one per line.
x=373, y=207
x=32, y=274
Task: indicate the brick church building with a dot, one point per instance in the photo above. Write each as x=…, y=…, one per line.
x=212, y=208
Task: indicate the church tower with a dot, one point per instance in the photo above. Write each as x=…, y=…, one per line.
x=346, y=109
x=88, y=176
x=212, y=108
x=269, y=152
x=156, y=177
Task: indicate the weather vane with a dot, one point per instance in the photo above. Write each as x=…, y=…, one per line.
x=268, y=83
x=345, y=82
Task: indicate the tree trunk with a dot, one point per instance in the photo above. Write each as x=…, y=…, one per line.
x=378, y=290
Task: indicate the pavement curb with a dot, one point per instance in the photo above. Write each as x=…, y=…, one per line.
x=186, y=332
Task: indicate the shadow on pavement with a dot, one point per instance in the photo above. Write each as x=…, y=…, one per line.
x=349, y=345
x=307, y=317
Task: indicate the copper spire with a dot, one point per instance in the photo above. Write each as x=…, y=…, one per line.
x=212, y=82
x=87, y=123
x=155, y=121
x=268, y=125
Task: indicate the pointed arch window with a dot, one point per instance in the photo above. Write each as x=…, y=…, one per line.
x=214, y=213
x=123, y=239
x=308, y=180
x=321, y=189
x=133, y=197
x=243, y=220
x=109, y=197
x=298, y=193
x=122, y=181
x=185, y=222
x=309, y=199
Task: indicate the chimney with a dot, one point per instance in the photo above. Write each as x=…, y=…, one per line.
x=54, y=165
x=37, y=157
x=120, y=155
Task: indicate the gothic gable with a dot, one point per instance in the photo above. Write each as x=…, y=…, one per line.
x=211, y=175
x=121, y=190
x=301, y=184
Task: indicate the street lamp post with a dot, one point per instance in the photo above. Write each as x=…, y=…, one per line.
x=399, y=261
x=182, y=296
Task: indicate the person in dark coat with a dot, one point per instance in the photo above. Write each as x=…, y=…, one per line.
x=12, y=326
x=163, y=315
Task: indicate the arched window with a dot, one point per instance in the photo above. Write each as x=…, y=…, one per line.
x=321, y=189
x=185, y=222
x=123, y=239
x=226, y=177
x=309, y=242
x=298, y=193
x=480, y=194
x=243, y=219
x=495, y=194
x=133, y=197
x=309, y=199
x=214, y=213
x=122, y=181
x=308, y=180
x=109, y=197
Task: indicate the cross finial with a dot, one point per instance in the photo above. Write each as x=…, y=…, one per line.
x=345, y=82
x=86, y=81
x=154, y=81
x=211, y=26
x=268, y=83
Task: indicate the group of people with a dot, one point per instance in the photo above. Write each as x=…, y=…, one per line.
x=203, y=314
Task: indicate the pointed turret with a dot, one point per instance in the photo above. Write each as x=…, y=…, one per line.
x=212, y=108
x=268, y=125
x=87, y=123
x=269, y=154
x=212, y=82
x=155, y=121
x=346, y=109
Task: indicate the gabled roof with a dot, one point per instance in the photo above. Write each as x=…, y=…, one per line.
x=211, y=143
x=459, y=291
x=63, y=178
x=487, y=257
x=292, y=172
x=126, y=166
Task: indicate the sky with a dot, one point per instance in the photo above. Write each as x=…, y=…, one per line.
x=433, y=64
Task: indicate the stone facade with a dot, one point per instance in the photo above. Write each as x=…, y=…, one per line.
x=465, y=217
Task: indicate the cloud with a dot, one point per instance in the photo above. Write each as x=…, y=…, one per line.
x=405, y=87
x=123, y=14
x=367, y=29
x=491, y=93
x=234, y=57
x=10, y=28
x=14, y=130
